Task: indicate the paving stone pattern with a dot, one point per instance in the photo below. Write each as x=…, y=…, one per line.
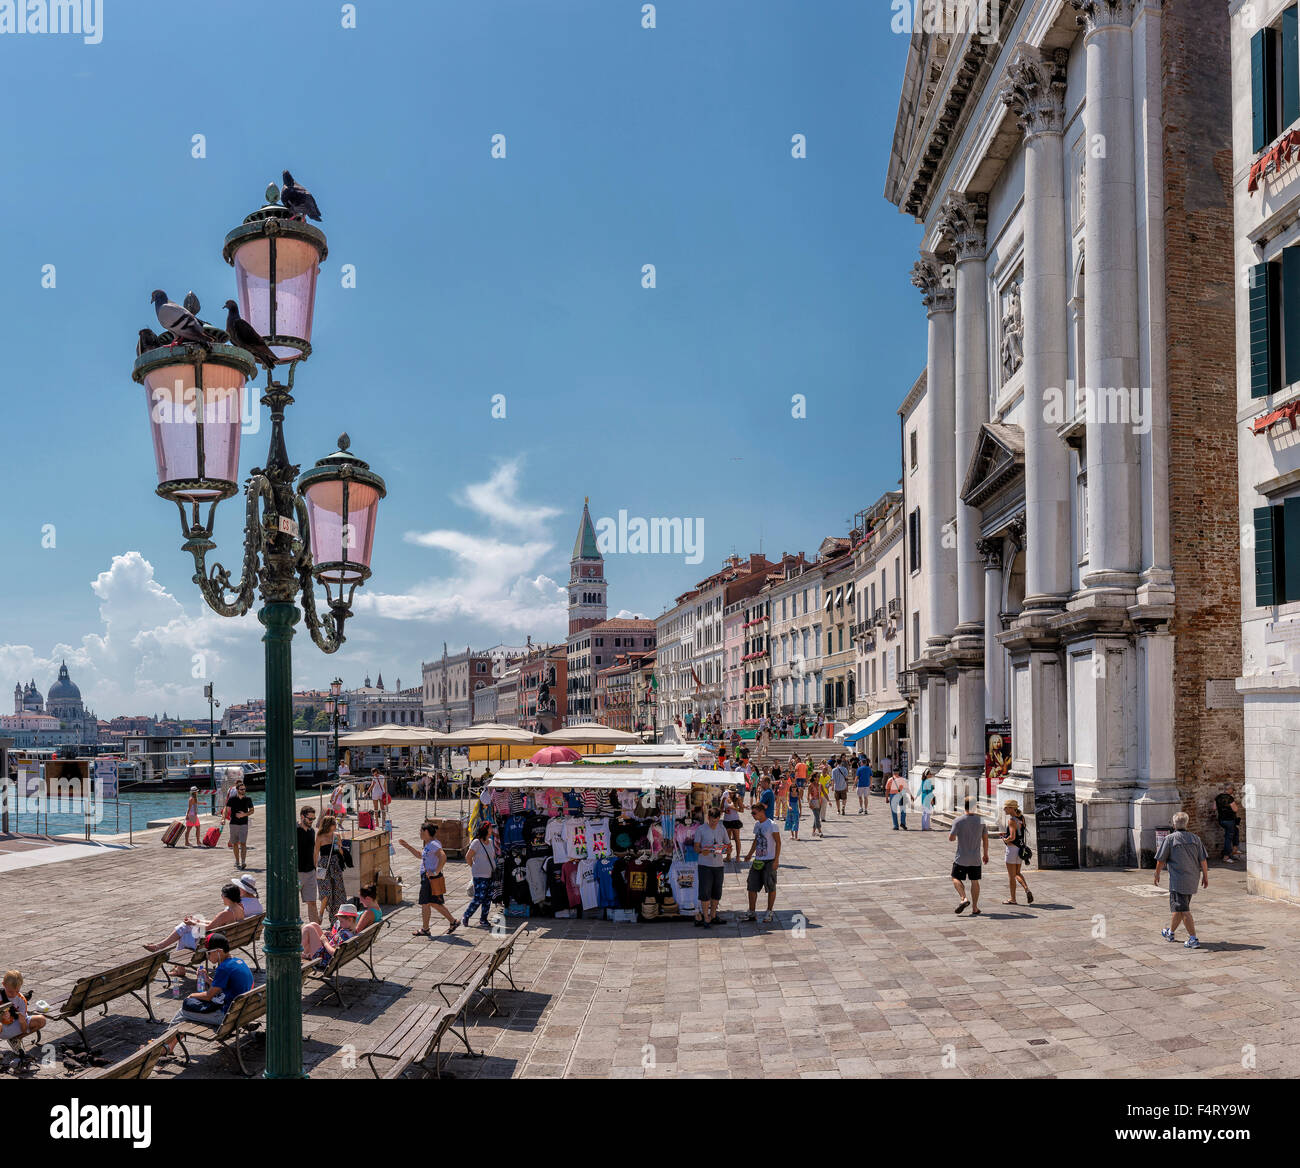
x=867, y=972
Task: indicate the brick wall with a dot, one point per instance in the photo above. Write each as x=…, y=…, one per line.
x=1199, y=303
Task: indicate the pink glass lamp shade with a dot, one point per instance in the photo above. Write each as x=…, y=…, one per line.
x=195, y=403
x=276, y=261
x=342, y=494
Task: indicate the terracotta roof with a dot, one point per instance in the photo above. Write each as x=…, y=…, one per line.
x=614, y=624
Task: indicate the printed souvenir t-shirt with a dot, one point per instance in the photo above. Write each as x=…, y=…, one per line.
x=640, y=883
x=557, y=837
x=232, y=977
x=604, y=869
x=684, y=880
x=588, y=887
x=764, y=848
x=576, y=838
x=969, y=830
x=572, y=888
x=536, y=876
x=706, y=838
x=599, y=838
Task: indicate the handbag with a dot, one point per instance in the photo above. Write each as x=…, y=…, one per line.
x=1026, y=853
x=438, y=885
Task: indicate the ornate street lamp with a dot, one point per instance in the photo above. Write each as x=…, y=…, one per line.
x=319, y=531
x=337, y=709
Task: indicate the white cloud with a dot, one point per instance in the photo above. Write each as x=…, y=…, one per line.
x=493, y=582
x=151, y=652
x=498, y=498
x=624, y=614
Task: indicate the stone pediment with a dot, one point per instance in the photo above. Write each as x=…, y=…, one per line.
x=998, y=461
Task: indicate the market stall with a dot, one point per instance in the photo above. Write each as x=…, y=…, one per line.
x=610, y=842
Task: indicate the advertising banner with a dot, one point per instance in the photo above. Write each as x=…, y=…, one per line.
x=106, y=778
x=1055, y=817
x=997, y=754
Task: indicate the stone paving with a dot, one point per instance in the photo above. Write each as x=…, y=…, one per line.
x=867, y=972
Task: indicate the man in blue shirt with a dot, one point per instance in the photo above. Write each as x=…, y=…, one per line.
x=864, y=786
x=230, y=979
x=766, y=796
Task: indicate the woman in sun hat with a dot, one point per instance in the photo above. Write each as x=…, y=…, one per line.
x=192, y=817
x=1014, y=834
x=248, y=895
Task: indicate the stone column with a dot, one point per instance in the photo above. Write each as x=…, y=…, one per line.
x=938, y=563
x=1035, y=92
x=966, y=220
x=995, y=707
x=1111, y=297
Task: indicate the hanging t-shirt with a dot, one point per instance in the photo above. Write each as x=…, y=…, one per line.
x=681, y=838
x=517, y=890
x=557, y=837
x=588, y=887
x=640, y=882
x=536, y=876
x=663, y=887
x=551, y=802
x=572, y=888
x=512, y=831
x=535, y=835
x=627, y=801
x=500, y=801
x=605, y=882
x=684, y=879
x=573, y=802
x=590, y=802
x=599, y=838
x=557, y=890
x=576, y=838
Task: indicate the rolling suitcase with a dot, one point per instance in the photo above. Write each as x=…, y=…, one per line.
x=173, y=833
x=211, y=837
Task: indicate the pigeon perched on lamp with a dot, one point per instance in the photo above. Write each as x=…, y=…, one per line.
x=180, y=322
x=148, y=340
x=247, y=337
x=298, y=199
x=191, y=302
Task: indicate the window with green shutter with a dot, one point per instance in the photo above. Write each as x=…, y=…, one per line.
x=1261, y=87
x=1267, y=591
x=1265, y=349
x=1289, y=53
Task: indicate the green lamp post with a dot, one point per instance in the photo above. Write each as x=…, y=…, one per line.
x=317, y=530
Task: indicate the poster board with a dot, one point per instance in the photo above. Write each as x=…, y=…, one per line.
x=1055, y=817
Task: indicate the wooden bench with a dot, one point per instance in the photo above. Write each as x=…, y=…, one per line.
x=353, y=949
x=240, y=935
x=101, y=988
x=418, y=1036
x=478, y=969
x=244, y=1011
x=137, y=1065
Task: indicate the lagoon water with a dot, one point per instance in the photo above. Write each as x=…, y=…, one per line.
x=113, y=817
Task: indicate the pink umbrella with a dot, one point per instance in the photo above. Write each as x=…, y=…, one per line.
x=550, y=755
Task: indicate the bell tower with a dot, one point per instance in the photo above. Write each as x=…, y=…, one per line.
x=587, y=585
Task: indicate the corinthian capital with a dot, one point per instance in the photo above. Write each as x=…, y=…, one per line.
x=966, y=220
x=935, y=281
x=1095, y=14
x=1034, y=90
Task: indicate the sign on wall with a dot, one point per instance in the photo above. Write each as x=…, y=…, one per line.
x=997, y=754
x=1055, y=824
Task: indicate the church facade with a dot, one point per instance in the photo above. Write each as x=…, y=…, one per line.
x=59, y=718
x=1078, y=559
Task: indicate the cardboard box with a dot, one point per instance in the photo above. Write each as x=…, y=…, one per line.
x=389, y=891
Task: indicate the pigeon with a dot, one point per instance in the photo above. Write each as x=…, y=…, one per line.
x=180, y=322
x=246, y=336
x=191, y=302
x=298, y=199
x=148, y=340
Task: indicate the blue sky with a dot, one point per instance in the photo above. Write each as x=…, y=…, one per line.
x=476, y=276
